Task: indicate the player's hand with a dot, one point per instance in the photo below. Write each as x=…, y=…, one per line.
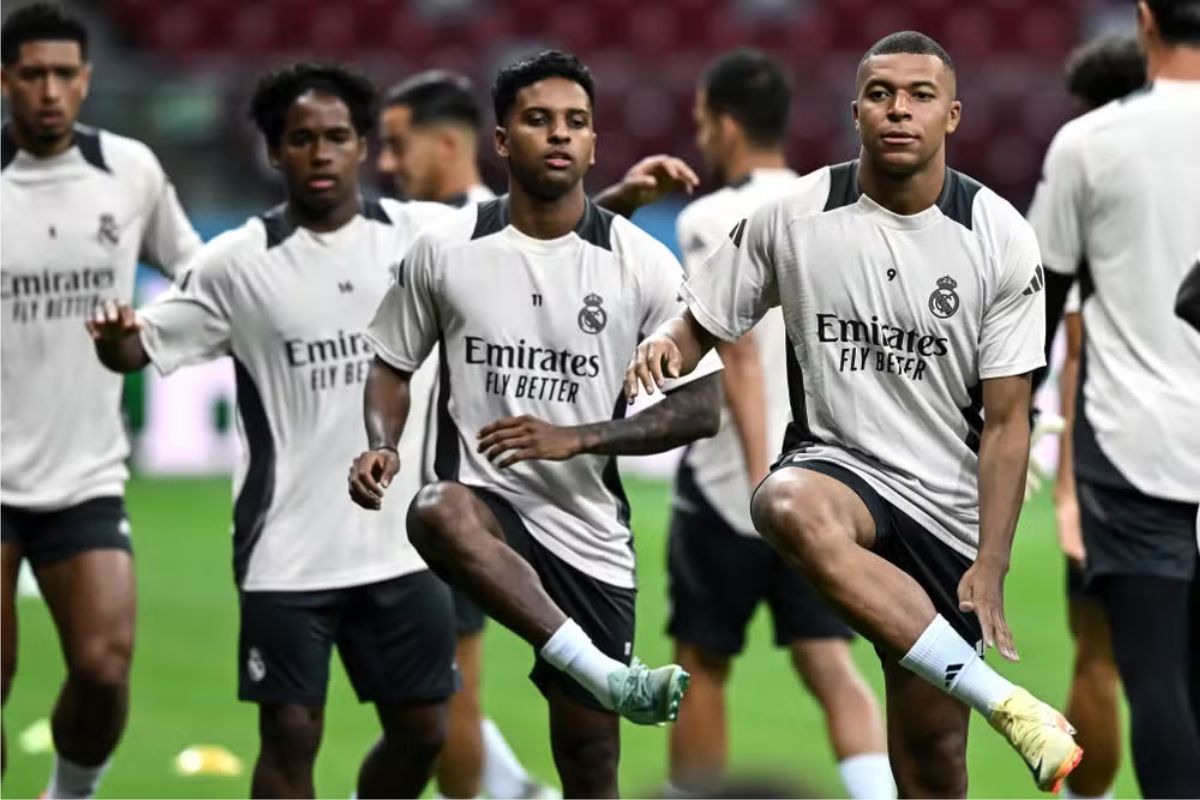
x=511, y=440
x=981, y=591
x=113, y=321
x=656, y=359
x=370, y=475
x=1070, y=535
x=650, y=180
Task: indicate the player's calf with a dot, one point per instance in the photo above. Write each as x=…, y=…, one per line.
x=401, y=763
x=290, y=736
x=587, y=746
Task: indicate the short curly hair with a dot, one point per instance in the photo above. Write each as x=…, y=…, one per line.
x=36, y=23
x=547, y=64
x=278, y=89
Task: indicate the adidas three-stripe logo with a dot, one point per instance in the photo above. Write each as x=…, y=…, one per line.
x=1039, y=280
x=952, y=671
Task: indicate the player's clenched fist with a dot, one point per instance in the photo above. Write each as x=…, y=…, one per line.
x=656, y=359
x=370, y=475
x=113, y=321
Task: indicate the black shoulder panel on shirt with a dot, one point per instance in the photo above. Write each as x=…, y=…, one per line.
x=740, y=182
x=373, y=209
x=595, y=225
x=459, y=200
x=8, y=147
x=1136, y=93
x=277, y=225
x=958, y=197
x=843, y=185
x=88, y=141
x=491, y=217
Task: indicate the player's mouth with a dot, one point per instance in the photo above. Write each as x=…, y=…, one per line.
x=898, y=138
x=558, y=160
x=321, y=183
x=50, y=116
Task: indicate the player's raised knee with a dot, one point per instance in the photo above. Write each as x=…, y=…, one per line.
x=435, y=511
x=794, y=518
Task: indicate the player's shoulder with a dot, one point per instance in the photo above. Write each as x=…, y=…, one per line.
x=412, y=215
x=627, y=241
x=995, y=220
x=227, y=253
x=1072, y=138
x=117, y=154
x=446, y=228
x=807, y=197
x=714, y=209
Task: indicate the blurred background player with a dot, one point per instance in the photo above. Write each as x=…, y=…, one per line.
x=903, y=521
x=543, y=547
x=430, y=127
x=1117, y=207
x=288, y=295
x=719, y=569
x=1096, y=74
x=81, y=206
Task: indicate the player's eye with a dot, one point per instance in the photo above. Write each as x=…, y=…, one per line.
x=67, y=73
x=577, y=121
x=877, y=94
x=923, y=95
x=536, y=118
x=340, y=136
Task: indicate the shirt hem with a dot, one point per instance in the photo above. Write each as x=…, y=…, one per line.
x=319, y=584
x=108, y=489
x=706, y=319
x=390, y=358
x=1009, y=370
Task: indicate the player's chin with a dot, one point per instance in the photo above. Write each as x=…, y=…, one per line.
x=554, y=183
x=899, y=162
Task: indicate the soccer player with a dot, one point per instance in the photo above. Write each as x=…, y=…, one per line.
x=430, y=127
x=911, y=297
x=719, y=569
x=288, y=295
x=1096, y=74
x=1117, y=207
x=532, y=297
x=82, y=206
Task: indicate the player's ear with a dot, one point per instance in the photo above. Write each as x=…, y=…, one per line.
x=854, y=112
x=592, y=161
x=273, y=155
x=363, y=148
x=85, y=77
x=500, y=137
x=954, y=117
x=4, y=82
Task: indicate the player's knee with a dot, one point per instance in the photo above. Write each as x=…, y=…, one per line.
x=102, y=662
x=794, y=522
x=291, y=736
x=421, y=737
x=588, y=762
x=434, y=514
x=934, y=765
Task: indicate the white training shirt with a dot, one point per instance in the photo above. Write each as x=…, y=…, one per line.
x=718, y=464
x=74, y=227
x=892, y=322
x=291, y=306
x=1119, y=205
x=539, y=327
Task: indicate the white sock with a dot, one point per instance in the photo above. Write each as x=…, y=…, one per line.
x=70, y=781
x=503, y=775
x=868, y=776
x=1069, y=795
x=571, y=651
x=944, y=658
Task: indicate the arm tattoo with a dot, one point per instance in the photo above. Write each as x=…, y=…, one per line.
x=686, y=414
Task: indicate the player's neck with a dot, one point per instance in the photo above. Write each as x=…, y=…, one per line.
x=458, y=180
x=903, y=194
x=1173, y=63
x=41, y=148
x=746, y=161
x=545, y=219
x=326, y=220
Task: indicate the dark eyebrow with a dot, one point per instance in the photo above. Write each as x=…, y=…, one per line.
x=545, y=110
x=871, y=82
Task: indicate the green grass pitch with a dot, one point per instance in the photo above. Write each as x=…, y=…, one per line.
x=184, y=678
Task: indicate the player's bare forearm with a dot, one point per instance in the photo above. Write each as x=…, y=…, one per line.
x=1068, y=385
x=1003, y=459
x=684, y=415
x=385, y=404
x=647, y=181
x=745, y=393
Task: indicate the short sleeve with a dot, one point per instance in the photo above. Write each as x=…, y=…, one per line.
x=191, y=322
x=169, y=238
x=736, y=285
x=660, y=278
x=1013, y=336
x=405, y=327
x=1057, y=210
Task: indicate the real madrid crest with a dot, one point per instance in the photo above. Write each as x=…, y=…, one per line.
x=592, y=318
x=944, y=300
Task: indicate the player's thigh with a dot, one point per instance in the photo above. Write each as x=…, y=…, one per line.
x=716, y=578
x=444, y=516
x=800, y=614
x=285, y=641
x=397, y=641
x=927, y=735
x=800, y=504
x=93, y=602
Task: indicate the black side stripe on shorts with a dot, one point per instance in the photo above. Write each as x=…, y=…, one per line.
x=254, y=500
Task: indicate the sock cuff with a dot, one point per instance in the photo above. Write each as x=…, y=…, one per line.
x=940, y=652
x=565, y=644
